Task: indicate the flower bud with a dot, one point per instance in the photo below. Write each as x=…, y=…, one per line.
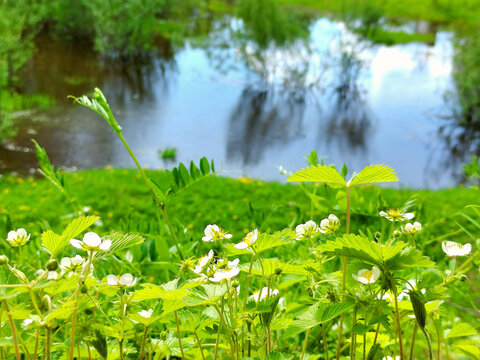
x=83, y=289
x=235, y=284
x=3, y=260
x=418, y=307
x=278, y=271
x=47, y=303
x=52, y=265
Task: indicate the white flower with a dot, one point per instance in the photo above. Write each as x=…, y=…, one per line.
x=91, y=242
x=72, y=265
x=307, y=230
x=453, y=249
x=27, y=322
x=366, y=276
x=248, y=240
x=126, y=280
x=391, y=358
x=330, y=224
x=51, y=275
x=264, y=293
x=213, y=233
x=227, y=272
x=18, y=238
x=147, y=314
x=396, y=215
x=202, y=262
x=410, y=229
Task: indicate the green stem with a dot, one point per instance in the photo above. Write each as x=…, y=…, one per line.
x=325, y=343
x=142, y=347
x=305, y=344
x=179, y=336
x=217, y=342
x=199, y=344
x=160, y=202
x=75, y=303
x=429, y=342
x=37, y=336
x=354, y=339
x=120, y=348
x=248, y=281
x=12, y=326
x=439, y=340
x=344, y=275
x=397, y=318
x=412, y=346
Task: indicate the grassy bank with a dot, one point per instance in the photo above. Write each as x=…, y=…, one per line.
x=122, y=200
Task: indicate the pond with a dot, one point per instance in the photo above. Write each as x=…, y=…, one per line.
x=251, y=109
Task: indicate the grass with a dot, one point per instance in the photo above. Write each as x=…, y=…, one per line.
x=121, y=199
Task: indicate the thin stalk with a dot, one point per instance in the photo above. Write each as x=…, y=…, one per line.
x=429, y=342
x=305, y=344
x=227, y=331
x=217, y=342
x=120, y=348
x=47, y=343
x=248, y=281
x=178, y=335
x=380, y=314
x=397, y=318
x=325, y=343
x=142, y=347
x=412, y=346
x=75, y=303
x=160, y=202
x=199, y=344
x=37, y=335
x=354, y=336
x=344, y=275
x=35, y=305
x=439, y=340
x=12, y=326
x=365, y=339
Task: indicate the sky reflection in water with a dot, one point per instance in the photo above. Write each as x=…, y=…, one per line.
x=252, y=110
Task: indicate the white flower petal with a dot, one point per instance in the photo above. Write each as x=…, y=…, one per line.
x=76, y=243
x=126, y=279
x=112, y=280
x=105, y=245
x=91, y=239
x=241, y=245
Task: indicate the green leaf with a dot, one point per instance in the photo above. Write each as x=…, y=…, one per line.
x=394, y=257
x=77, y=226
x=194, y=171
x=327, y=312
x=54, y=243
x=47, y=169
x=265, y=242
x=184, y=175
x=100, y=344
x=274, y=355
x=120, y=242
x=319, y=173
x=462, y=329
x=316, y=314
x=270, y=267
x=373, y=174
x=204, y=166
x=208, y=294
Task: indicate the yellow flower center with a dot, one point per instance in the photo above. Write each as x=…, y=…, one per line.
x=367, y=274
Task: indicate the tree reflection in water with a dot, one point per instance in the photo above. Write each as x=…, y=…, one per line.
x=460, y=130
x=262, y=119
x=349, y=122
